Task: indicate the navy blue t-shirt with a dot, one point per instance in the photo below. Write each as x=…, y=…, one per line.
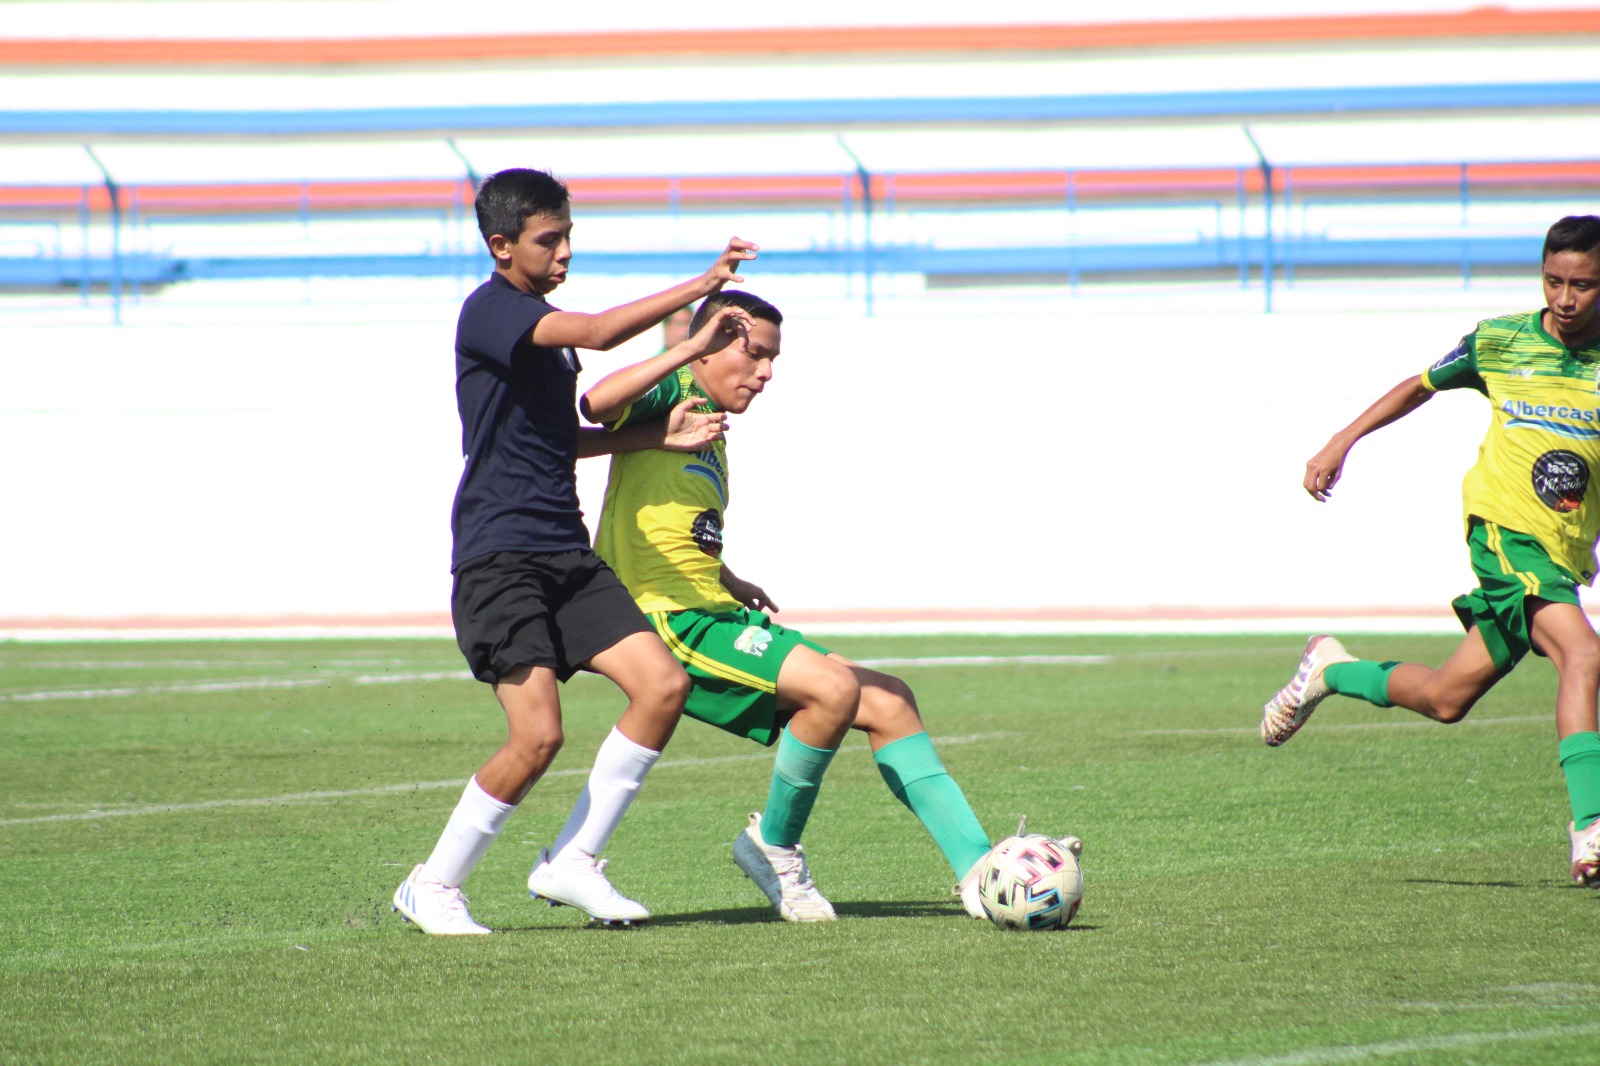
x=519, y=431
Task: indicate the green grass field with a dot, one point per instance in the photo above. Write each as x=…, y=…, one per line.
x=200, y=840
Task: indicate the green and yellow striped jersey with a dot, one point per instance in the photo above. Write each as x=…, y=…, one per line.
x=661, y=524
x=1534, y=472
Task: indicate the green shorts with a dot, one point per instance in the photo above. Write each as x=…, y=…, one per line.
x=733, y=658
x=1511, y=567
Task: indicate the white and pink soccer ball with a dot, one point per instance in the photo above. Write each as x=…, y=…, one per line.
x=1031, y=882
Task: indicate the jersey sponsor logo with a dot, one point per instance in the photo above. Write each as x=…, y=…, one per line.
x=707, y=533
x=1558, y=418
x=1560, y=479
x=1456, y=354
x=753, y=641
x=711, y=468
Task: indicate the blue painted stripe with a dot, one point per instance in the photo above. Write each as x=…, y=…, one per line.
x=892, y=259
x=713, y=113
x=1560, y=429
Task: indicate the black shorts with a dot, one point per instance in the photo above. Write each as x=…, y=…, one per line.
x=558, y=610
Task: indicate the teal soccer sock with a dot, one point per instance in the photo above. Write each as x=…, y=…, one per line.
x=1362, y=679
x=1580, y=763
x=916, y=776
x=796, y=776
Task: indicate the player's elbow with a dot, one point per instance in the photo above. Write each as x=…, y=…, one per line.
x=599, y=410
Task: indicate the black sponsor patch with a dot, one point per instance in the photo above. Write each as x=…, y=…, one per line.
x=707, y=531
x=1560, y=479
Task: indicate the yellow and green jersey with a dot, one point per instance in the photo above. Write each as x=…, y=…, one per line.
x=661, y=525
x=1534, y=468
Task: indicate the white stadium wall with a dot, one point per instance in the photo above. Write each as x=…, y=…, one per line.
x=1076, y=454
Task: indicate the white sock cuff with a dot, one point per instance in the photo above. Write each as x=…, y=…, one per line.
x=623, y=754
x=486, y=813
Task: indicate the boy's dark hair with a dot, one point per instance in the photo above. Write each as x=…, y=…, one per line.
x=508, y=198
x=1575, y=233
x=753, y=305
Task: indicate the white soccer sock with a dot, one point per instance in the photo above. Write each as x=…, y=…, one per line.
x=473, y=825
x=619, y=769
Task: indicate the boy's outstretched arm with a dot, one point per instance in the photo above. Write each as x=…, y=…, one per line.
x=606, y=330
x=684, y=430
x=610, y=396
x=1324, y=468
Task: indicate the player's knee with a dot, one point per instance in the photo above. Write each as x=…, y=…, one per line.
x=1582, y=659
x=837, y=694
x=668, y=689
x=889, y=706
x=536, y=745
x=1448, y=710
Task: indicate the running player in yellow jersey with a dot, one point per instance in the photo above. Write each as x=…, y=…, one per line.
x=661, y=530
x=1532, y=513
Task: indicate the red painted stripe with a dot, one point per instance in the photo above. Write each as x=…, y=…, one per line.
x=1483, y=22
x=808, y=188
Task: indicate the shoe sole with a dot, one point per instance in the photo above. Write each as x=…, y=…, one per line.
x=603, y=919
x=411, y=919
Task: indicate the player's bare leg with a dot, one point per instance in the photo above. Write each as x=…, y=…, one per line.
x=915, y=774
x=532, y=701
x=1562, y=631
x=569, y=871
x=1446, y=693
x=824, y=695
x=431, y=895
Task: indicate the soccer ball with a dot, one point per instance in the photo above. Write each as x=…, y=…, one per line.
x=1030, y=881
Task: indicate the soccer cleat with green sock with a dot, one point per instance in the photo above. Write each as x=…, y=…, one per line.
x=782, y=875
x=1585, y=854
x=1286, y=712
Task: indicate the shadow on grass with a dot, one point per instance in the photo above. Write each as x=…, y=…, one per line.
x=1467, y=884
x=760, y=915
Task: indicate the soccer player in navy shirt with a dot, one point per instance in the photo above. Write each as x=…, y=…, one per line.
x=532, y=603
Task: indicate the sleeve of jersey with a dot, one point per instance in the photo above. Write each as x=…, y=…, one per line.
x=1457, y=369
x=503, y=320
x=650, y=407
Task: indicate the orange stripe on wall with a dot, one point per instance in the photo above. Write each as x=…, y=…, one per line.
x=1483, y=22
x=995, y=185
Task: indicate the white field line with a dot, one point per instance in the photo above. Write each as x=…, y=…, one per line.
x=330, y=677
x=1442, y=622
x=1366, y=1052
x=288, y=798
x=1323, y=727
x=991, y=660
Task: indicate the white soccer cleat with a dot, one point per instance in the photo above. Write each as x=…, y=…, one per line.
x=1286, y=712
x=782, y=875
x=433, y=906
x=581, y=883
x=1585, y=854
x=967, y=889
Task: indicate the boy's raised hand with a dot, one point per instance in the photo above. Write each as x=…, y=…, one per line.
x=720, y=329
x=726, y=268
x=689, y=430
